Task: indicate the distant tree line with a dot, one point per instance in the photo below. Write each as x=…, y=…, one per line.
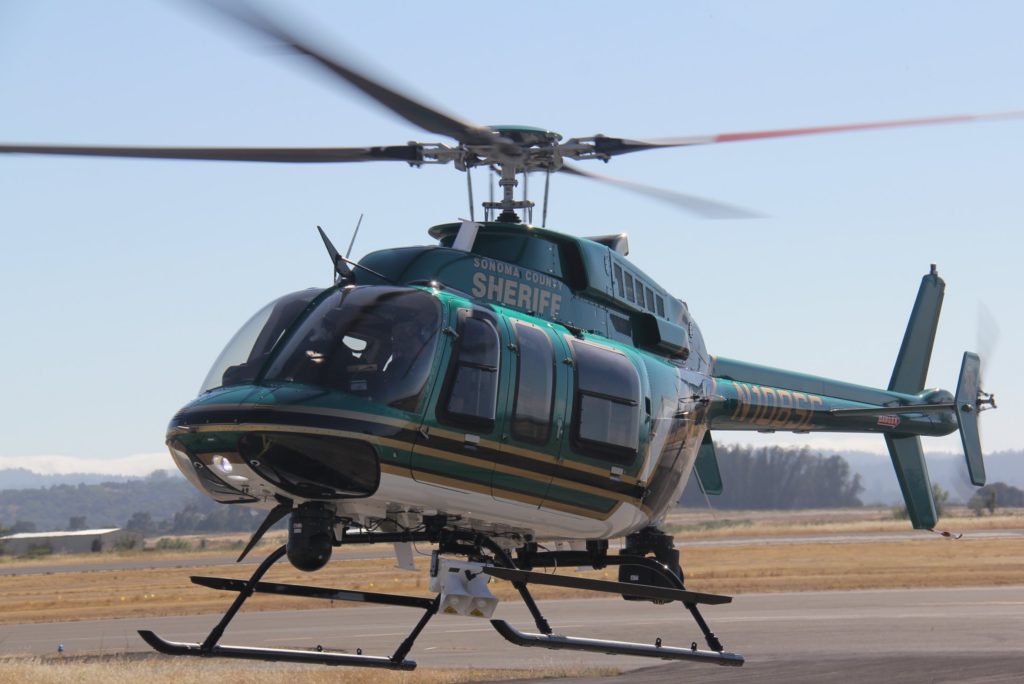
x=161, y=503
x=996, y=495
x=779, y=478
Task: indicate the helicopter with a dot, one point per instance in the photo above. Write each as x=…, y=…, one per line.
x=508, y=387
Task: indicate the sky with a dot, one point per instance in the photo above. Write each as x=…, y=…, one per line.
x=121, y=280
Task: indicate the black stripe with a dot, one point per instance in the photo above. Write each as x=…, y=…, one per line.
x=486, y=455
x=198, y=417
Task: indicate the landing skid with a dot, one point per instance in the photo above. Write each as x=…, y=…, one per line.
x=176, y=648
x=212, y=648
x=547, y=639
x=500, y=565
x=656, y=650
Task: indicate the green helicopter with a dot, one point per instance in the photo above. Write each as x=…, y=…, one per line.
x=508, y=387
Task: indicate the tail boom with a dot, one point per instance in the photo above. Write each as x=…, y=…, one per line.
x=751, y=397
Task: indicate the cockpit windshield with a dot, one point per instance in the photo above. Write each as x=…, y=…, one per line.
x=373, y=342
x=244, y=356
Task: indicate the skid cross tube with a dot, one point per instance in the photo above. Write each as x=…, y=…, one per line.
x=246, y=588
x=639, y=590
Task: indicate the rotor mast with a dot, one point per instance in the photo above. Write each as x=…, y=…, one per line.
x=508, y=203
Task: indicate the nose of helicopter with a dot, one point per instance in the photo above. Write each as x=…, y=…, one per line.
x=239, y=463
x=312, y=466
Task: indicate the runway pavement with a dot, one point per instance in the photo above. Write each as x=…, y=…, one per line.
x=921, y=635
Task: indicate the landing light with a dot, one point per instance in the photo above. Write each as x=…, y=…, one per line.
x=222, y=464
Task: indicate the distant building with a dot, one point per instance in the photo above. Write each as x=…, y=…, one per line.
x=79, y=541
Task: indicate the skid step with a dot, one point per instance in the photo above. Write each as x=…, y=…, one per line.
x=559, y=642
x=639, y=590
x=177, y=648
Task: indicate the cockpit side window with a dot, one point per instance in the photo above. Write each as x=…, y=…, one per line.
x=470, y=394
x=244, y=356
x=606, y=415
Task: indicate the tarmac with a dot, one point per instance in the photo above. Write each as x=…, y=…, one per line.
x=897, y=635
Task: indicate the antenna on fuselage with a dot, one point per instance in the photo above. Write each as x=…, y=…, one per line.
x=351, y=242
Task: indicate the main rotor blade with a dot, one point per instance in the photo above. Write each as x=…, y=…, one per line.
x=614, y=146
x=417, y=113
x=704, y=208
x=290, y=155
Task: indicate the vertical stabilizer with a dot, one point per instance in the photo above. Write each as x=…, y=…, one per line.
x=912, y=472
x=909, y=376
x=911, y=369
x=708, y=475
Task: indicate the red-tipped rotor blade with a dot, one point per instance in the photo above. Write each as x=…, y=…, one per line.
x=614, y=146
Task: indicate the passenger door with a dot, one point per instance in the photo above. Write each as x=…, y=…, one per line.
x=600, y=455
x=459, y=438
x=537, y=393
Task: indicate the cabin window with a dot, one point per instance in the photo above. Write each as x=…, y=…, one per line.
x=535, y=385
x=629, y=288
x=650, y=299
x=618, y=281
x=471, y=390
x=606, y=418
x=621, y=325
x=661, y=306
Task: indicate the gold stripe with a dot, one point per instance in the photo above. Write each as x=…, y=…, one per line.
x=535, y=455
x=455, y=436
x=445, y=455
x=528, y=474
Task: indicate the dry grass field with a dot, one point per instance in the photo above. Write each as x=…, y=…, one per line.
x=816, y=550
x=733, y=553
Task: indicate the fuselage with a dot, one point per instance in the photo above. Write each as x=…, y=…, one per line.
x=535, y=386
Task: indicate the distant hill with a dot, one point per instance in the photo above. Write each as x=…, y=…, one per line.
x=23, y=478
x=948, y=470
x=105, y=504
x=50, y=501
x=878, y=480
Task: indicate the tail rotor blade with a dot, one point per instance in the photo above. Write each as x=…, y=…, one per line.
x=988, y=337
